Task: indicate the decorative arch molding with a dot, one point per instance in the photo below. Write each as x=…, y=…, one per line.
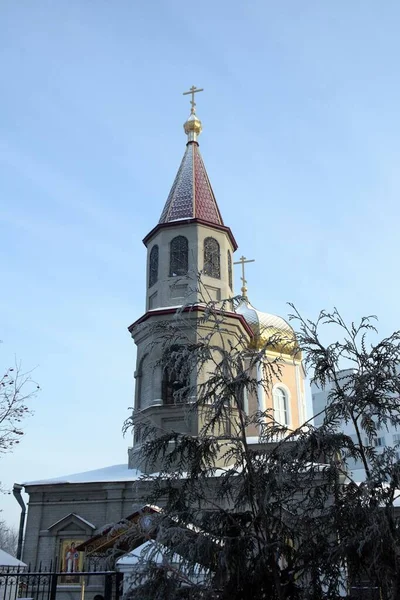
x=139, y=382
x=179, y=256
x=175, y=377
x=230, y=276
x=212, y=258
x=153, y=265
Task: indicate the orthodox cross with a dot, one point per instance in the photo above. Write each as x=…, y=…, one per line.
x=193, y=90
x=242, y=261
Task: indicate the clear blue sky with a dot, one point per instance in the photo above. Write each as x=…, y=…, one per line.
x=301, y=142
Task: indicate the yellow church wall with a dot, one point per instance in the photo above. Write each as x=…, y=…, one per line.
x=291, y=380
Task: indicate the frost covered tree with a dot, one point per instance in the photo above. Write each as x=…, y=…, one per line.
x=8, y=538
x=284, y=519
x=16, y=389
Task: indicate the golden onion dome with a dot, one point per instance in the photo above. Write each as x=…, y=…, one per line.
x=268, y=329
x=192, y=127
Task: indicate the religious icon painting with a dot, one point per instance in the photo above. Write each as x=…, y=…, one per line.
x=71, y=561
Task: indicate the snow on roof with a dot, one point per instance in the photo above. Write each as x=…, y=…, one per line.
x=133, y=557
x=156, y=552
x=112, y=473
x=176, y=306
x=180, y=219
x=396, y=492
x=6, y=560
x=253, y=439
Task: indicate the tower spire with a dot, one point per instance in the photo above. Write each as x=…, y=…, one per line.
x=191, y=196
x=193, y=125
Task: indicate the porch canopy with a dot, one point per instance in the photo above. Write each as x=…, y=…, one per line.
x=122, y=537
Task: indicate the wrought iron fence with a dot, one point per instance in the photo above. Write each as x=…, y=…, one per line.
x=51, y=584
x=365, y=592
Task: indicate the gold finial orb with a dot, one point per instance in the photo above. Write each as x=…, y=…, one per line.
x=193, y=125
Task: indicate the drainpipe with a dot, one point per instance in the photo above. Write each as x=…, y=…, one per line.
x=17, y=495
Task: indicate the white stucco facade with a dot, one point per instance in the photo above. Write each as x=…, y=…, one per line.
x=385, y=438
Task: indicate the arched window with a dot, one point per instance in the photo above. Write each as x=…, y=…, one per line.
x=176, y=379
x=178, y=264
x=153, y=267
x=281, y=406
x=144, y=381
x=230, y=270
x=211, y=258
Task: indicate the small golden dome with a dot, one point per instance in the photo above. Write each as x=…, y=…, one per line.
x=192, y=127
x=268, y=329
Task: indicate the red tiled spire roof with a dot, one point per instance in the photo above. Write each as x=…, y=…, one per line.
x=191, y=195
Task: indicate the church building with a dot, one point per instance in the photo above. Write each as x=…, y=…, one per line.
x=191, y=238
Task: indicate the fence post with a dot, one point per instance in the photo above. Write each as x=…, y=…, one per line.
x=118, y=585
x=53, y=586
x=107, y=586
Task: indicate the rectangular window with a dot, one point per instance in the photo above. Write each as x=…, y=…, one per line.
x=246, y=401
x=396, y=438
x=283, y=413
x=378, y=442
x=281, y=408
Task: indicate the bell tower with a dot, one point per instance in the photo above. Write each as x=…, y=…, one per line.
x=190, y=237
x=189, y=243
